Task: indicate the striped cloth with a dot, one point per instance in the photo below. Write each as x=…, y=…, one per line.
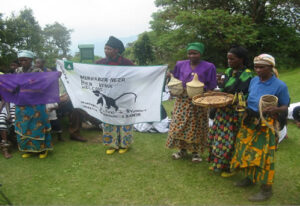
x=5, y=123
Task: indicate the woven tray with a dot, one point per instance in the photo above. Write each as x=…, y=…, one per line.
x=213, y=99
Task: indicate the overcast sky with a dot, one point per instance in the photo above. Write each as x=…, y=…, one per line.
x=91, y=20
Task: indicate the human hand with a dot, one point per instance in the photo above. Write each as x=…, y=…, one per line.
x=64, y=98
x=271, y=110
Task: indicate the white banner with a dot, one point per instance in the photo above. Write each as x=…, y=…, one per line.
x=118, y=95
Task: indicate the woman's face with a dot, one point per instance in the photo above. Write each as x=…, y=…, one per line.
x=263, y=71
x=39, y=63
x=194, y=55
x=110, y=52
x=234, y=61
x=13, y=66
x=25, y=62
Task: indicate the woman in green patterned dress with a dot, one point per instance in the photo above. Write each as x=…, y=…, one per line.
x=256, y=141
x=227, y=119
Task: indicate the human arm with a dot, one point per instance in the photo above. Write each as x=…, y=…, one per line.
x=51, y=107
x=274, y=110
x=283, y=102
x=64, y=98
x=211, y=78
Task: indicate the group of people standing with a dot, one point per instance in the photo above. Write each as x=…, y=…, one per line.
x=237, y=139
x=33, y=123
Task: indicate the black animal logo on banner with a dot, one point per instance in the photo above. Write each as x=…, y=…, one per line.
x=109, y=101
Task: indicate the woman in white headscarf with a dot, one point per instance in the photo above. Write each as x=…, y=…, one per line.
x=32, y=124
x=256, y=141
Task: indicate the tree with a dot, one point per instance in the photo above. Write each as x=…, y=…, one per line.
x=4, y=48
x=128, y=53
x=57, y=42
x=23, y=32
x=142, y=50
x=58, y=37
x=217, y=29
x=259, y=25
x=277, y=23
x=19, y=32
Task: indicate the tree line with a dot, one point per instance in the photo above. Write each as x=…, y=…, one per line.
x=261, y=26
x=22, y=31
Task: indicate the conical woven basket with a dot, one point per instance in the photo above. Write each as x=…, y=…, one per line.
x=194, y=87
x=175, y=86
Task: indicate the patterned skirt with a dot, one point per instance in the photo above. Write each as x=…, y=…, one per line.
x=255, y=151
x=117, y=136
x=32, y=127
x=189, y=126
x=221, y=137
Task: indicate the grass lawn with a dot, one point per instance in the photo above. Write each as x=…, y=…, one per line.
x=81, y=174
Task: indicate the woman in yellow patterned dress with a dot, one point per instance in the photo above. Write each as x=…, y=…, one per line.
x=256, y=142
x=189, y=125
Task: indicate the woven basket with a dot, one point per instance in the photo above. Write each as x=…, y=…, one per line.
x=193, y=91
x=175, y=86
x=194, y=87
x=213, y=99
x=176, y=89
x=264, y=102
x=267, y=100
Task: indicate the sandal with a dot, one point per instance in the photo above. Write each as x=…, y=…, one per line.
x=196, y=158
x=179, y=155
x=26, y=155
x=228, y=174
x=110, y=151
x=122, y=150
x=43, y=154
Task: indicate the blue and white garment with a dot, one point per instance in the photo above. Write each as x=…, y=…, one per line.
x=6, y=123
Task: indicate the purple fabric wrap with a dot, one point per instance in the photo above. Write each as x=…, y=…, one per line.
x=206, y=73
x=30, y=88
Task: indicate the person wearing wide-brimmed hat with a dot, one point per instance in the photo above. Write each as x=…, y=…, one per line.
x=189, y=125
x=116, y=137
x=256, y=141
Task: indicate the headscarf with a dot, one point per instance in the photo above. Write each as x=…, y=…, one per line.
x=25, y=53
x=266, y=59
x=196, y=46
x=116, y=44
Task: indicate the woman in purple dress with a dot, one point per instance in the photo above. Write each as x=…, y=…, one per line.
x=189, y=125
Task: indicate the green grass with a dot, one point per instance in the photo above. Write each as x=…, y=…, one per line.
x=81, y=174
x=292, y=79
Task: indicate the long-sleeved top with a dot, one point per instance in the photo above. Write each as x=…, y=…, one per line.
x=206, y=73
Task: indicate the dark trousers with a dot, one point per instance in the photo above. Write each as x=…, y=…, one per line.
x=76, y=117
